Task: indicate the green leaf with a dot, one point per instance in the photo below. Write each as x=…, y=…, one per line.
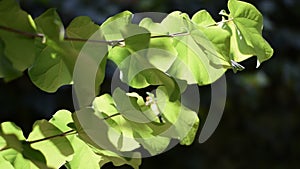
x=84, y=157
x=164, y=54
x=81, y=27
x=19, y=49
x=246, y=29
x=203, y=18
x=36, y=157
x=153, y=27
x=23, y=163
x=92, y=128
x=12, y=136
x=50, y=24
x=196, y=53
x=138, y=72
x=55, y=59
x=136, y=37
x=93, y=131
x=28, y=159
x=218, y=36
x=50, y=70
x=128, y=108
x=184, y=122
x=121, y=135
x=60, y=120
x=11, y=128
x=112, y=26
x=91, y=63
x=117, y=160
x=7, y=71
x=5, y=164
x=57, y=150
x=133, y=121
x=17, y=151
x=9, y=155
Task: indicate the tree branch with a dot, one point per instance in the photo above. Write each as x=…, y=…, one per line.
x=51, y=137
x=26, y=34
x=109, y=42
x=108, y=117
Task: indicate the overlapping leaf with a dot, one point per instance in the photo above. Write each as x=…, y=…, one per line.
x=197, y=50
x=83, y=156
x=55, y=58
x=246, y=32
x=197, y=57
x=98, y=140
x=218, y=36
x=111, y=28
x=56, y=150
x=16, y=151
x=19, y=49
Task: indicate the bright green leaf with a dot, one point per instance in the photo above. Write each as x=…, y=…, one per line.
x=218, y=36
x=36, y=157
x=21, y=153
x=136, y=37
x=11, y=128
x=162, y=53
x=196, y=53
x=138, y=72
x=5, y=164
x=56, y=150
x=91, y=63
x=112, y=26
x=84, y=157
x=60, y=120
x=184, y=121
x=22, y=163
x=246, y=30
x=12, y=135
x=128, y=108
x=118, y=160
x=93, y=131
x=133, y=122
x=203, y=19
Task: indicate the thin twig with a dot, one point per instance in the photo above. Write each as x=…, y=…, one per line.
x=110, y=42
x=108, y=117
x=51, y=137
x=218, y=23
x=27, y=34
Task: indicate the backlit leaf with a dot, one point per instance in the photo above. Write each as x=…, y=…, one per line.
x=56, y=150
x=246, y=30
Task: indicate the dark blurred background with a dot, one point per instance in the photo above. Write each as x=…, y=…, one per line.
x=260, y=127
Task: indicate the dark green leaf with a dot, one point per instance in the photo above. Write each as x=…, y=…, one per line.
x=19, y=49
